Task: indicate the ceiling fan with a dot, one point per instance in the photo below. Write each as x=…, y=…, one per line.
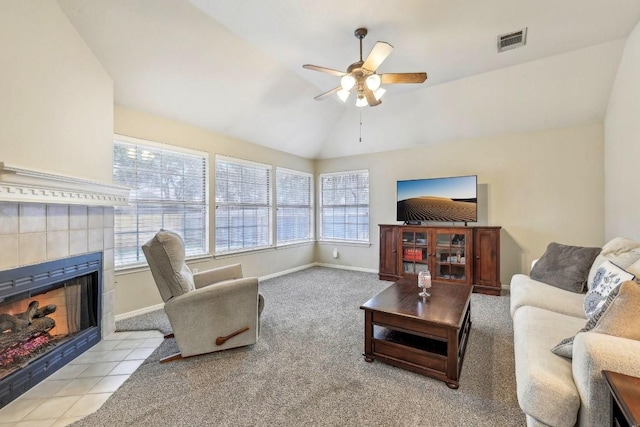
x=362, y=78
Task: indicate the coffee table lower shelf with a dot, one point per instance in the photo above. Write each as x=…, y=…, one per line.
x=437, y=357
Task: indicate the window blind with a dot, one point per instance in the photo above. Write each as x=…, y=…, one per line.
x=243, y=205
x=344, y=211
x=294, y=194
x=169, y=189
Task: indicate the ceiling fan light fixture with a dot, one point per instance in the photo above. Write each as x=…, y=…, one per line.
x=373, y=82
x=343, y=95
x=362, y=78
x=347, y=82
x=361, y=101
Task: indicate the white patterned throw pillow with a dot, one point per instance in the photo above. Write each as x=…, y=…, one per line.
x=607, y=278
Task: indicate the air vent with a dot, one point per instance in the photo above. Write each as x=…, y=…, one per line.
x=512, y=40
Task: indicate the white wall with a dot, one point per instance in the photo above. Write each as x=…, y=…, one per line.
x=136, y=290
x=622, y=146
x=56, y=107
x=540, y=187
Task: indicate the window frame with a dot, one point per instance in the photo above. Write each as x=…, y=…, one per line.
x=269, y=205
x=311, y=207
x=321, y=207
x=173, y=150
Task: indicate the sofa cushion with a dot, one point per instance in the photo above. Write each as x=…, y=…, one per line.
x=566, y=267
x=620, y=251
x=622, y=316
x=545, y=387
x=634, y=269
x=610, y=318
x=608, y=277
x=524, y=291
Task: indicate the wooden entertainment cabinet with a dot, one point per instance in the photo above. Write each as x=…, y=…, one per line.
x=468, y=255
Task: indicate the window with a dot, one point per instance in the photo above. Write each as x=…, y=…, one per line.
x=169, y=189
x=243, y=205
x=344, y=211
x=295, y=208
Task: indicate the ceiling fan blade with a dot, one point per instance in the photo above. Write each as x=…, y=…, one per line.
x=378, y=54
x=327, y=93
x=324, y=70
x=392, y=78
x=371, y=99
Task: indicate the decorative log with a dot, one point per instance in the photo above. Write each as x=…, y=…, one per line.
x=24, y=326
x=38, y=327
x=47, y=309
x=12, y=323
x=31, y=310
x=21, y=321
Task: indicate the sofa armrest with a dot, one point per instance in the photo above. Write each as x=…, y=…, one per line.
x=592, y=353
x=215, y=275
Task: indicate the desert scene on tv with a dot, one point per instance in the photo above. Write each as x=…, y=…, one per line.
x=440, y=199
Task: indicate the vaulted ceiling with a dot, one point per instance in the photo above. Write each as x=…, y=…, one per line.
x=235, y=67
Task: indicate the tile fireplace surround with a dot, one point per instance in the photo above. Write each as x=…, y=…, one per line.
x=45, y=217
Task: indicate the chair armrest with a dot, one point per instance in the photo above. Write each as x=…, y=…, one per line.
x=203, y=296
x=592, y=353
x=215, y=275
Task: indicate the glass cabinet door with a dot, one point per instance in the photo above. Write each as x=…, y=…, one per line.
x=451, y=257
x=415, y=251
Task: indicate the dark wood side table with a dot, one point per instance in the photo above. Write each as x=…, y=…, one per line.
x=625, y=399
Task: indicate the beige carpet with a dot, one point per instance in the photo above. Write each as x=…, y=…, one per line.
x=308, y=369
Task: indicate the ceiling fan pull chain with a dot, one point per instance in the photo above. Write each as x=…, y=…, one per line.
x=360, y=127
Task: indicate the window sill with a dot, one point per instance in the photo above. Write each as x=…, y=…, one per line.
x=145, y=267
x=345, y=243
x=295, y=244
x=243, y=252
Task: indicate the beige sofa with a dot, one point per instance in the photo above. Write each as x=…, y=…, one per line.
x=554, y=390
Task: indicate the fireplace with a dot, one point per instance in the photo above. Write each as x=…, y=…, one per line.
x=49, y=314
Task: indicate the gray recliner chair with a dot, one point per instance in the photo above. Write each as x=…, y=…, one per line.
x=209, y=311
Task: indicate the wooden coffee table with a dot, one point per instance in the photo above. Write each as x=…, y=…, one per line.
x=428, y=337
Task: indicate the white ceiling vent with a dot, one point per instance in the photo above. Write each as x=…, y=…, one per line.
x=512, y=40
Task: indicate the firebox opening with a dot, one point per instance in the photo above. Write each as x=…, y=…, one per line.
x=32, y=323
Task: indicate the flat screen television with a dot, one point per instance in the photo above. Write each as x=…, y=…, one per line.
x=451, y=199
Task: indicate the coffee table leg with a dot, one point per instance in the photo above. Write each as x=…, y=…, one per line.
x=368, y=334
x=452, y=358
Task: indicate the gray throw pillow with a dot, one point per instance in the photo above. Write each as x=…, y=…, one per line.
x=565, y=267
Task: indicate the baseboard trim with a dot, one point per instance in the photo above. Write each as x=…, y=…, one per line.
x=289, y=271
x=347, y=267
x=139, y=312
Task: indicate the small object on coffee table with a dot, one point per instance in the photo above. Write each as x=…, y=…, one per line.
x=424, y=282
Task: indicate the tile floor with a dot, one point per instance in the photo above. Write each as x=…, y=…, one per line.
x=81, y=387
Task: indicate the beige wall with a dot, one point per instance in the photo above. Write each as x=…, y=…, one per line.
x=56, y=115
x=136, y=290
x=540, y=187
x=56, y=107
x=622, y=146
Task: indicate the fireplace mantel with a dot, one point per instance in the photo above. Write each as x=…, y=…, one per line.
x=31, y=186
